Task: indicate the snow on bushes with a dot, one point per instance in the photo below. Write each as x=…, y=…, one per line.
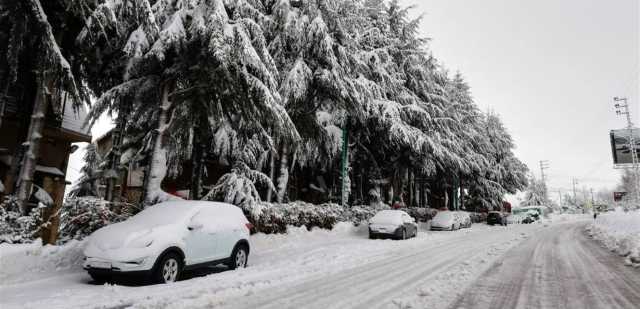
x=274, y=218
x=619, y=232
x=81, y=216
x=15, y=227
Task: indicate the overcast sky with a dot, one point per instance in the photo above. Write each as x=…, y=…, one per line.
x=550, y=68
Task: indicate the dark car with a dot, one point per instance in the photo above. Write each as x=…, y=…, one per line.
x=528, y=220
x=496, y=217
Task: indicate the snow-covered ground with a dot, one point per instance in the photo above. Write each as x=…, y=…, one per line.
x=318, y=269
x=619, y=231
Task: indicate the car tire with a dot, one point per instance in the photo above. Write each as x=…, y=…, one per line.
x=168, y=269
x=239, y=257
x=100, y=278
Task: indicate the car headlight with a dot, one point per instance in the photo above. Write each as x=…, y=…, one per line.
x=141, y=242
x=139, y=261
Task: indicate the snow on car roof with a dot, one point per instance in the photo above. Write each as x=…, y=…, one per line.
x=387, y=216
x=170, y=212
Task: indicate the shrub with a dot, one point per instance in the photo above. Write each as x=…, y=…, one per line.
x=81, y=216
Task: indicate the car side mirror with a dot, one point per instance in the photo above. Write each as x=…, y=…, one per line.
x=194, y=226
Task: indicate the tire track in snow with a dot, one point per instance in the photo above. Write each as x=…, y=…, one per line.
x=560, y=259
x=374, y=283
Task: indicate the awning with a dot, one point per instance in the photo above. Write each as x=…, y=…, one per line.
x=49, y=170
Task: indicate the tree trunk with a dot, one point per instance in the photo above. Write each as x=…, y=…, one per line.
x=14, y=169
x=272, y=174
x=283, y=179
x=197, y=166
x=158, y=164
x=116, y=152
x=33, y=147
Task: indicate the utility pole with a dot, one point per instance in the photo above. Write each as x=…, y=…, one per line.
x=574, y=181
x=623, y=109
x=593, y=202
x=544, y=164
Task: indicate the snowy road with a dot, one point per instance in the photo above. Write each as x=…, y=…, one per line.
x=551, y=265
x=318, y=269
x=560, y=267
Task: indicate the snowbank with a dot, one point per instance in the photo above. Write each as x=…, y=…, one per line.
x=620, y=232
x=27, y=262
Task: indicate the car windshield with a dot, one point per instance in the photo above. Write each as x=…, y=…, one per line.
x=387, y=217
x=443, y=215
x=162, y=214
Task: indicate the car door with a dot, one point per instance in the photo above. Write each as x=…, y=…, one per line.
x=409, y=224
x=199, y=242
x=229, y=232
x=217, y=227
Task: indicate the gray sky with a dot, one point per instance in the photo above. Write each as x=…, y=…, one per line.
x=550, y=68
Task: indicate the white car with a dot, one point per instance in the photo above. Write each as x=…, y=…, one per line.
x=446, y=220
x=163, y=240
x=392, y=224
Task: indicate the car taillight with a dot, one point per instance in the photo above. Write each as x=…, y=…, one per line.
x=249, y=226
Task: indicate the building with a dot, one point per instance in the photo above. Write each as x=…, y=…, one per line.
x=62, y=128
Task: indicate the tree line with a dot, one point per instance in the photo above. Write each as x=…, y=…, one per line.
x=335, y=99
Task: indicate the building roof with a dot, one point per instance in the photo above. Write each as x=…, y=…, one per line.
x=73, y=120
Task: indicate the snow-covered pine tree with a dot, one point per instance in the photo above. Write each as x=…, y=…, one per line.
x=91, y=173
x=534, y=193
x=225, y=73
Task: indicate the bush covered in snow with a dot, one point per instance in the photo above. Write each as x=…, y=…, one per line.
x=81, y=216
x=274, y=218
x=15, y=227
x=619, y=232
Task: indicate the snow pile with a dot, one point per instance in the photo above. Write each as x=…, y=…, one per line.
x=26, y=262
x=619, y=232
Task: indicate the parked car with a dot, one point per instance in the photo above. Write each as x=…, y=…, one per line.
x=513, y=219
x=162, y=241
x=465, y=219
x=528, y=220
x=392, y=224
x=446, y=220
x=496, y=217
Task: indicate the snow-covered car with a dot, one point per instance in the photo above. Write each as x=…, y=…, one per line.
x=162, y=241
x=446, y=221
x=392, y=224
x=528, y=220
x=515, y=219
x=496, y=217
x=465, y=219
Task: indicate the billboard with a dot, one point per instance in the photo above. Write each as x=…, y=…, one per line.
x=617, y=196
x=620, y=145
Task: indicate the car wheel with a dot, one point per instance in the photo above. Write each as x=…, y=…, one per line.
x=100, y=278
x=169, y=269
x=239, y=257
